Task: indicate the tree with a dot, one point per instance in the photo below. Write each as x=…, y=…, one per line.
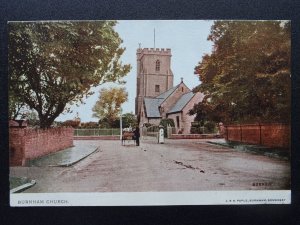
x=247, y=75
x=53, y=65
x=108, y=106
x=32, y=118
x=104, y=123
x=71, y=123
x=15, y=107
x=90, y=125
x=129, y=119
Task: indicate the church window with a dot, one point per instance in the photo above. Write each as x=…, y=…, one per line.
x=157, y=65
x=177, y=121
x=156, y=88
x=181, y=89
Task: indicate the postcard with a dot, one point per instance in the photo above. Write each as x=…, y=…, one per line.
x=149, y=112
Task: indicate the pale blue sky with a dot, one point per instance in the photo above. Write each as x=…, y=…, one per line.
x=187, y=40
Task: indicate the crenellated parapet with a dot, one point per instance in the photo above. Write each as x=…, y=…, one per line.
x=157, y=51
x=154, y=74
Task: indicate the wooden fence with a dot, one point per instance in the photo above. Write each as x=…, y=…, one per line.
x=271, y=135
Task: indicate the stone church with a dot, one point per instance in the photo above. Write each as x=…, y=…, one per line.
x=156, y=96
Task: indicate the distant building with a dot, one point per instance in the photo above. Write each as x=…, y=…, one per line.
x=157, y=98
x=77, y=119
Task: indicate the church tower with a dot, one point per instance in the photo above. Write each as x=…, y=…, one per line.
x=154, y=74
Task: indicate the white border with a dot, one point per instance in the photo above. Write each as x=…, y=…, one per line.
x=152, y=198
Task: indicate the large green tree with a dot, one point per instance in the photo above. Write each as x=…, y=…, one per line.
x=247, y=75
x=108, y=106
x=53, y=65
x=128, y=120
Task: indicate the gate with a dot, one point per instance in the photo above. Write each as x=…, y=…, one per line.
x=170, y=131
x=151, y=131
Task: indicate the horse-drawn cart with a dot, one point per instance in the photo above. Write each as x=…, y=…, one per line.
x=127, y=135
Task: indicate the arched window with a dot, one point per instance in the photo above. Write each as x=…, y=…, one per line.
x=157, y=65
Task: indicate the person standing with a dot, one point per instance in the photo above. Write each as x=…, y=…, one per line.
x=137, y=136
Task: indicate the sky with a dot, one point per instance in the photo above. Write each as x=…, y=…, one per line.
x=187, y=40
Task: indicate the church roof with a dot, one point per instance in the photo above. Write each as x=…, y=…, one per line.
x=152, y=106
x=181, y=103
x=167, y=93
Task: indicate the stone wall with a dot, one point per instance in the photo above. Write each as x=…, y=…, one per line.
x=185, y=119
x=148, y=76
x=26, y=143
x=271, y=135
x=154, y=121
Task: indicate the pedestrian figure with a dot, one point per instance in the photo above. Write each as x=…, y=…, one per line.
x=137, y=136
x=221, y=129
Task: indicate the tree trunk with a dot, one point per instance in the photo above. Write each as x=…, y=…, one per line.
x=45, y=122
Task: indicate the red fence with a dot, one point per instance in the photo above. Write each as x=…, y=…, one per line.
x=271, y=135
x=26, y=143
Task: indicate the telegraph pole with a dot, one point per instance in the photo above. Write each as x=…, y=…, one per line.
x=121, y=129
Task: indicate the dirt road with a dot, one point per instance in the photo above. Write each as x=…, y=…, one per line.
x=177, y=165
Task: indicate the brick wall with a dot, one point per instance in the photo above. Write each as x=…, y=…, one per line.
x=16, y=146
x=193, y=136
x=271, y=135
x=26, y=143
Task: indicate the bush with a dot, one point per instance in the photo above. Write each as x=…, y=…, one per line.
x=71, y=123
x=196, y=130
x=90, y=125
x=200, y=128
x=210, y=126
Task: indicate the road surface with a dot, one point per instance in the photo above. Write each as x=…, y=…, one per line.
x=177, y=165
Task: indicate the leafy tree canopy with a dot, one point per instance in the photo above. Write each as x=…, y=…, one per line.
x=15, y=107
x=71, y=123
x=247, y=75
x=53, y=65
x=89, y=125
x=108, y=106
x=129, y=119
